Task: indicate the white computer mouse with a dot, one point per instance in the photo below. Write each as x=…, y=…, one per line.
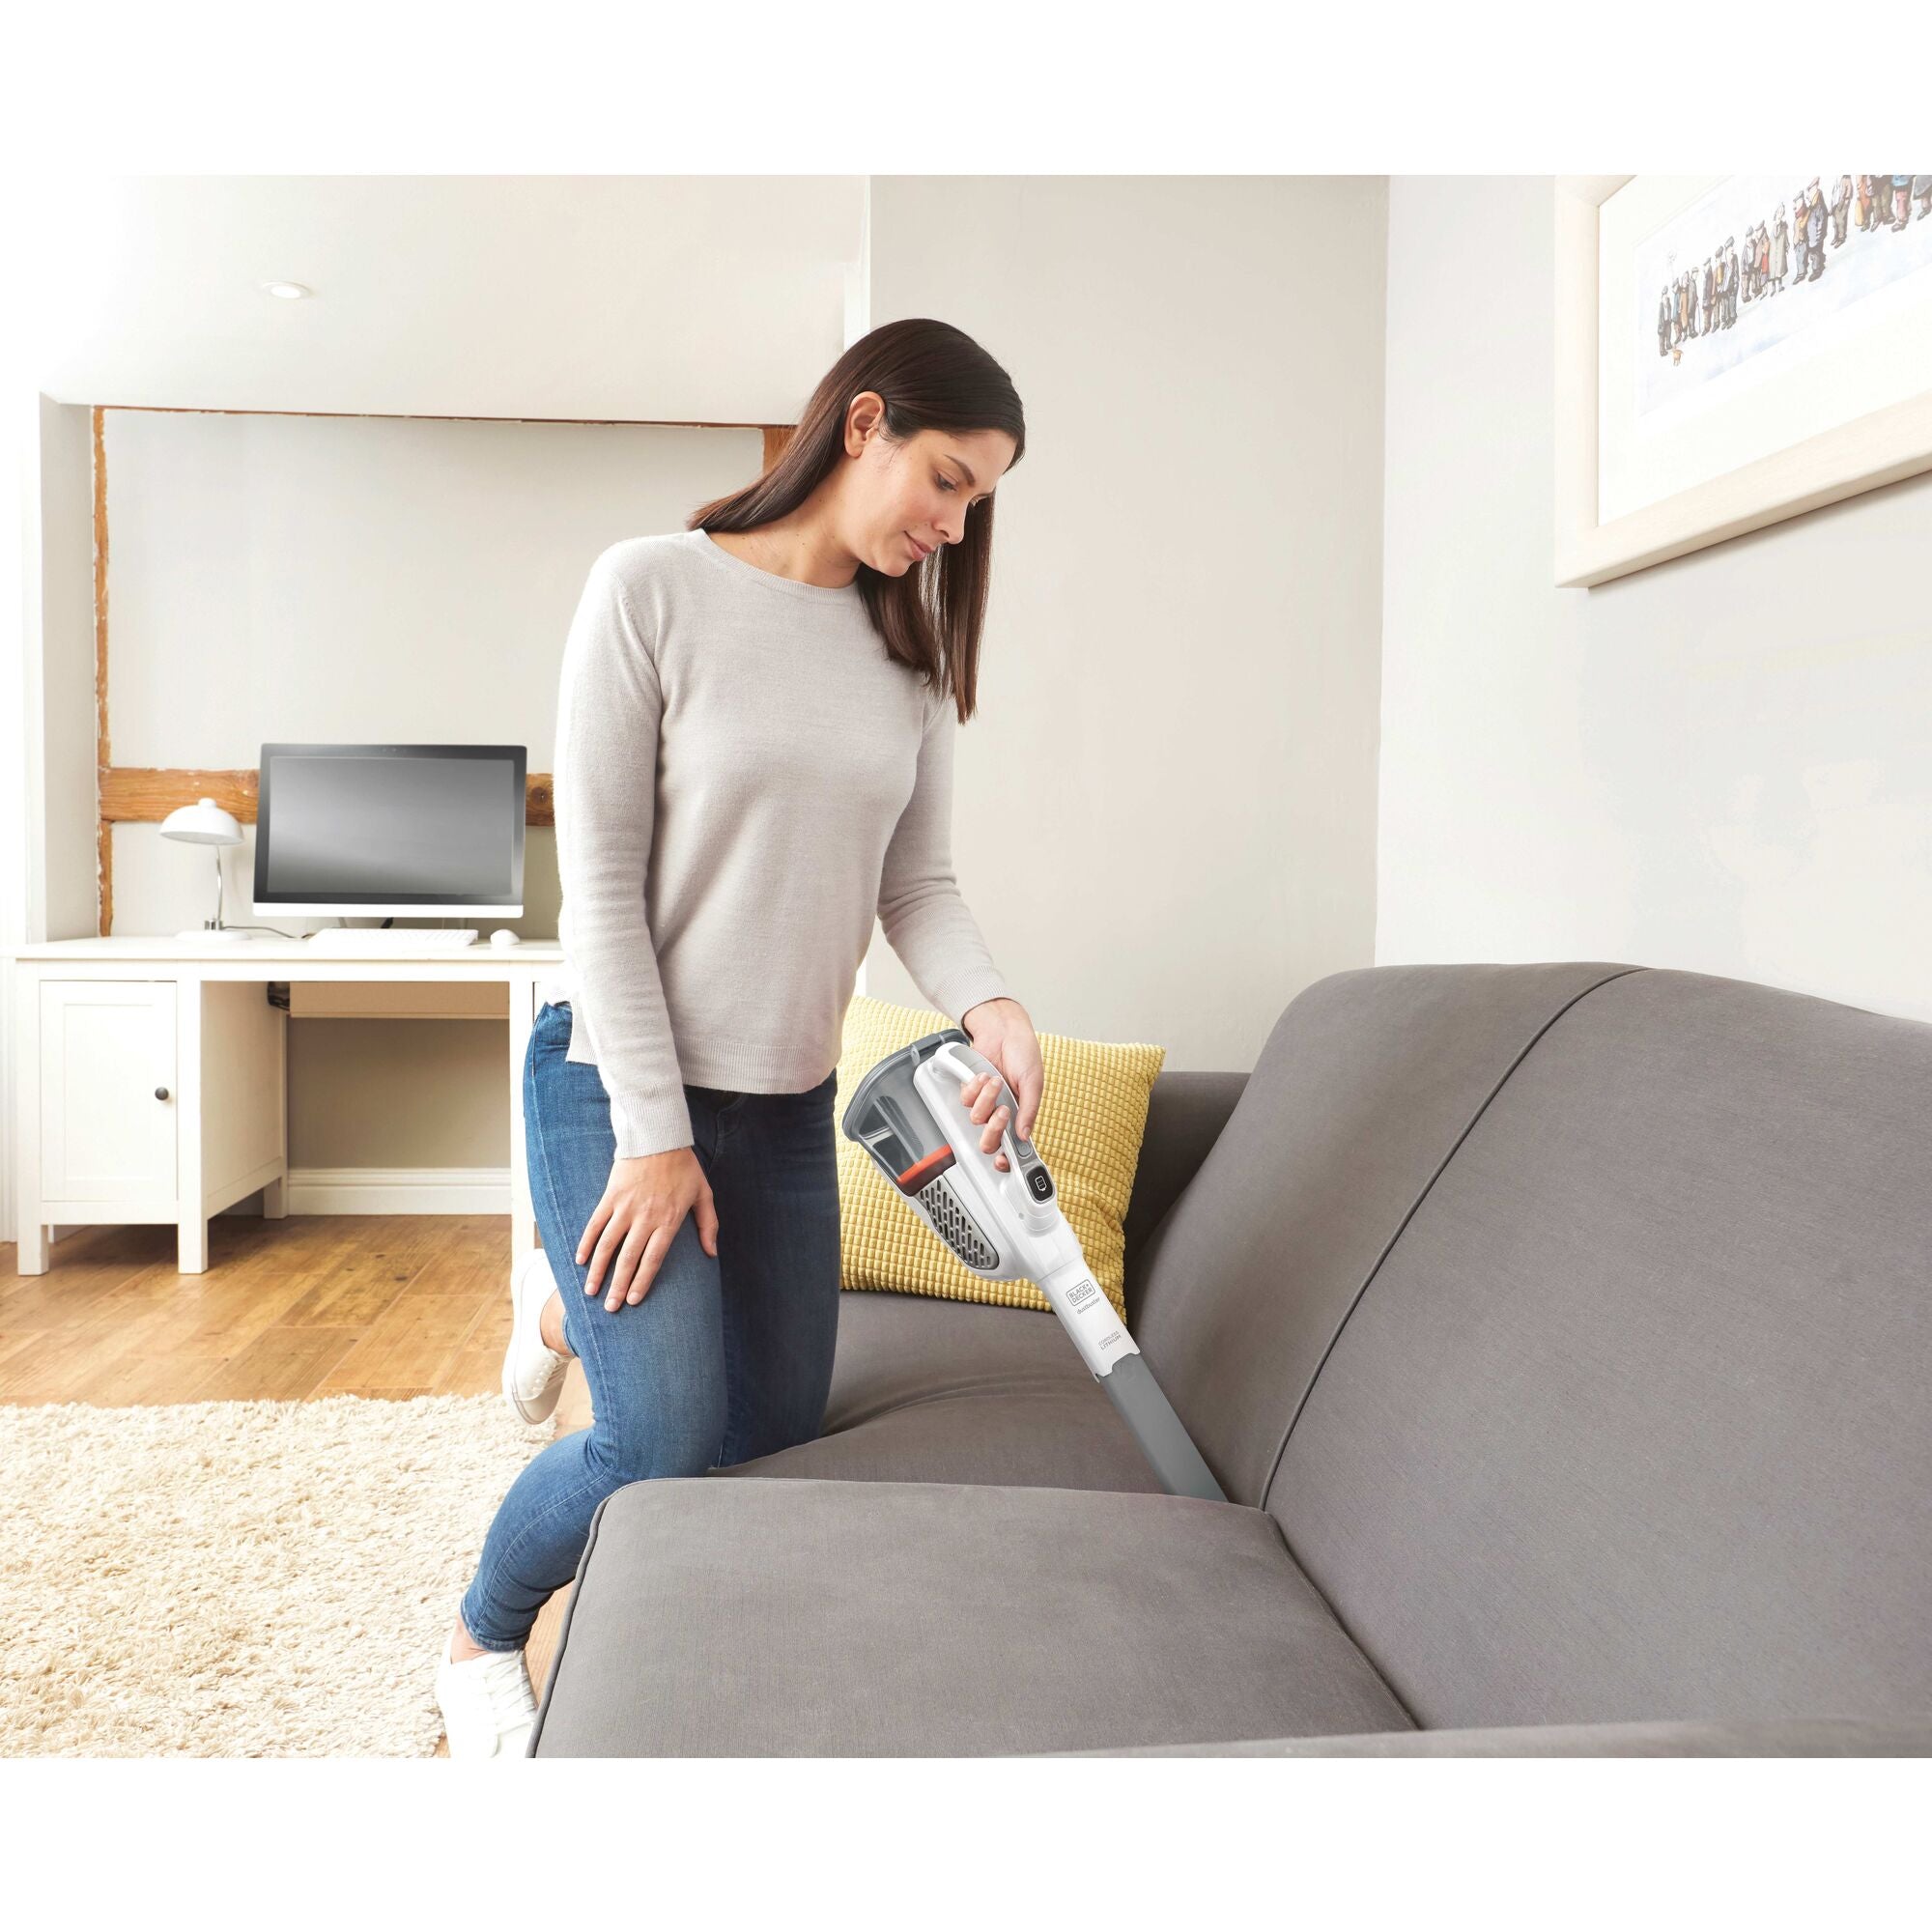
x=503, y=936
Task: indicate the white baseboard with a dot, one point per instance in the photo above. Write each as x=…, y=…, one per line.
x=391, y=1190
x=375, y=1190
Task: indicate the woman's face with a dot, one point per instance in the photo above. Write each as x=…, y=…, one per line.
x=917, y=493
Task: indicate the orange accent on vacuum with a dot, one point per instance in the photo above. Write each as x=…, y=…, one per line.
x=922, y=1171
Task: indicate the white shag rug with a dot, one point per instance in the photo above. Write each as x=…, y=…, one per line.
x=240, y=1579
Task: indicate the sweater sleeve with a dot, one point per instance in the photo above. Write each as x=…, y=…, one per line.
x=925, y=920
x=605, y=780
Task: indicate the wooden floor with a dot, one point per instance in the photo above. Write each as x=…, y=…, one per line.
x=388, y=1306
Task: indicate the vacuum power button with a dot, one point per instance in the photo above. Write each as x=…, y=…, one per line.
x=1040, y=1182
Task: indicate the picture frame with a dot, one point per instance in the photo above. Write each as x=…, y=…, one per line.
x=1878, y=446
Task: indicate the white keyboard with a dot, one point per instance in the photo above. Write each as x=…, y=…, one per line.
x=391, y=939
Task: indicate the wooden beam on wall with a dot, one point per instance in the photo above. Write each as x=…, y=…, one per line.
x=131, y=796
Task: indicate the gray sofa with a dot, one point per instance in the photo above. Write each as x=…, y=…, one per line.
x=1560, y=1333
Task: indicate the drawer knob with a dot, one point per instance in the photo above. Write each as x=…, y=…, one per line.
x=160, y=1093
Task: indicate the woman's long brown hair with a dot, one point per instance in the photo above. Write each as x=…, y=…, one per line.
x=932, y=376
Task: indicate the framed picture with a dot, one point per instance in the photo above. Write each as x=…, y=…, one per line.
x=1732, y=350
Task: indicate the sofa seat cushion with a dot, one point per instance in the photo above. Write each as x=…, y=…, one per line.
x=933, y=1391
x=809, y=1618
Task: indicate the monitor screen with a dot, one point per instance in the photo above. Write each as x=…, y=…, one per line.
x=436, y=827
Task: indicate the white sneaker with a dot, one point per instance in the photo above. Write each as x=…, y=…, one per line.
x=488, y=1704
x=533, y=1370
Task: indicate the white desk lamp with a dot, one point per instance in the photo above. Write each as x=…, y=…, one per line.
x=205, y=823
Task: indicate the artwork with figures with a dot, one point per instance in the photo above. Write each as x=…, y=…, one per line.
x=1710, y=281
x=1730, y=350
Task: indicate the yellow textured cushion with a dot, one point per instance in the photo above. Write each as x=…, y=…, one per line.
x=1092, y=1112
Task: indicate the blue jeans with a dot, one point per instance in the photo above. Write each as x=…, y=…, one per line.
x=725, y=1358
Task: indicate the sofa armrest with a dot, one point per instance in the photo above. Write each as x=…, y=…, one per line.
x=1186, y=1111
x=1770, y=1737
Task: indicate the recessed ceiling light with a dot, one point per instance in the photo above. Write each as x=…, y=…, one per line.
x=291, y=290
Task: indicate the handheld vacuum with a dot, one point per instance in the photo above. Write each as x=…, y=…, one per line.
x=908, y=1114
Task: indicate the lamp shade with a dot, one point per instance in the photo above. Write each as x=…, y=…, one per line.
x=202, y=823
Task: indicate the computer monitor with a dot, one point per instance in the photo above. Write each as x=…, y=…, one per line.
x=390, y=828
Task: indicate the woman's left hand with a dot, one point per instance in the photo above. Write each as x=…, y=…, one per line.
x=1001, y=1030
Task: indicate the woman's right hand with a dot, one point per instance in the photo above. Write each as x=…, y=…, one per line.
x=645, y=1204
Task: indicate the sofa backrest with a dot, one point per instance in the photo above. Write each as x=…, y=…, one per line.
x=1186, y=1111
x=1633, y=1418
x=1363, y=1089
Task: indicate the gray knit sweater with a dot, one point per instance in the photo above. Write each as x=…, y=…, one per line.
x=744, y=780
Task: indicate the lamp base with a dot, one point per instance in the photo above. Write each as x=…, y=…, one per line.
x=229, y=935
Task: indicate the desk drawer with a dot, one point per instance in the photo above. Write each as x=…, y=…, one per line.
x=398, y=1000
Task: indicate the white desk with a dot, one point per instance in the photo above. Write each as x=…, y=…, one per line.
x=153, y=1081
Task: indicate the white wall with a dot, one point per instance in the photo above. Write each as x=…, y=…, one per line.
x=47, y=821
x=1722, y=764
x=1165, y=812
x=63, y=873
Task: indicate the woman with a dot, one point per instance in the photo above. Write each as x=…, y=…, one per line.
x=754, y=752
